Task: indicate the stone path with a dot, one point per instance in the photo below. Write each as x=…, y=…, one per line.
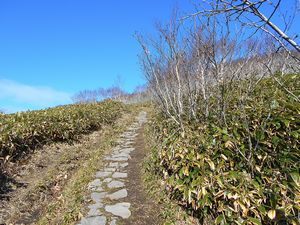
x=108, y=189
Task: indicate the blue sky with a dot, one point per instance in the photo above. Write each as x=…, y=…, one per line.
x=51, y=49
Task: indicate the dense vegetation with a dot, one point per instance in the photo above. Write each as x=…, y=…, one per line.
x=243, y=168
x=21, y=132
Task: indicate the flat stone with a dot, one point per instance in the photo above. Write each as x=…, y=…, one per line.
x=119, y=209
x=117, y=148
x=127, y=150
x=98, y=189
x=109, y=158
x=128, y=143
x=115, y=153
x=126, y=134
x=123, y=164
x=103, y=174
x=115, y=184
x=130, y=138
x=113, y=164
x=120, y=140
x=109, y=169
x=106, y=180
x=118, y=194
x=94, y=184
x=95, y=220
x=117, y=159
x=97, y=197
x=119, y=175
x=94, y=209
x=96, y=206
x=122, y=154
x=113, y=222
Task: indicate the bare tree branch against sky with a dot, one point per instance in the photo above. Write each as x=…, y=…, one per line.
x=258, y=15
x=69, y=46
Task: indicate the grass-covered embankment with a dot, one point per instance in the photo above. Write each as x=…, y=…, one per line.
x=57, y=175
x=21, y=132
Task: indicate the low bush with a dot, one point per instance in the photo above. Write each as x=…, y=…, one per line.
x=243, y=170
x=21, y=132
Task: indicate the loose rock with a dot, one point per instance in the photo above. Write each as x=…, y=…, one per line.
x=118, y=194
x=103, y=174
x=119, y=175
x=115, y=184
x=119, y=209
x=97, y=197
x=96, y=220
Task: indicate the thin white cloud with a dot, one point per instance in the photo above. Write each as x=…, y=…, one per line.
x=33, y=95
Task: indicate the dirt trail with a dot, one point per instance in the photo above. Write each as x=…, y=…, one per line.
x=116, y=192
x=40, y=180
x=144, y=210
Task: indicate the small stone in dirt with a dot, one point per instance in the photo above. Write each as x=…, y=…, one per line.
x=113, y=222
x=126, y=134
x=97, y=197
x=120, y=140
x=109, y=169
x=95, y=220
x=118, y=194
x=122, y=155
x=103, y=174
x=99, y=189
x=106, y=180
x=94, y=209
x=94, y=184
x=130, y=137
x=115, y=184
x=119, y=209
x=113, y=164
x=119, y=175
x=128, y=143
x=127, y=150
x=123, y=165
x=117, y=159
x=116, y=148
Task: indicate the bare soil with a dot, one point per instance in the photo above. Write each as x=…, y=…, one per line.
x=144, y=210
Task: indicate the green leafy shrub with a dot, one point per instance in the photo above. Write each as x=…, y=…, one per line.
x=21, y=132
x=244, y=170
